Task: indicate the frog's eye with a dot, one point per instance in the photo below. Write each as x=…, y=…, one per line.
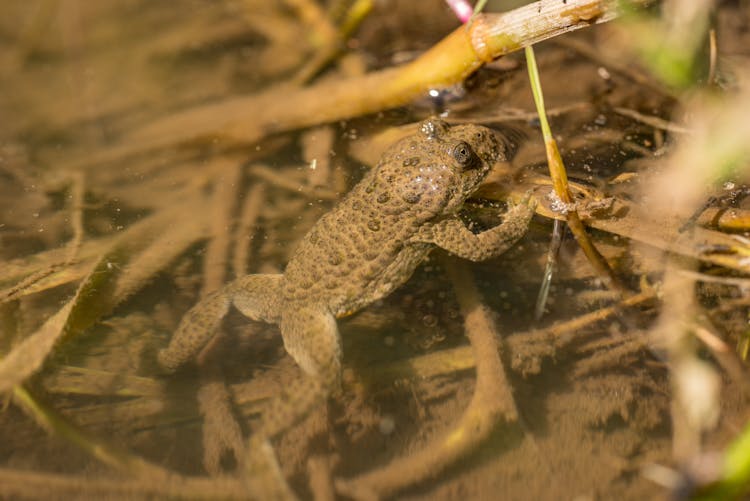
x=464, y=155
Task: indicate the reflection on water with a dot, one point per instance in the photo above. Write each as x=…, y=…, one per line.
x=115, y=218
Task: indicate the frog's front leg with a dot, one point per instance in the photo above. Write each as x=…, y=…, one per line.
x=452, y=234
x=256, y=296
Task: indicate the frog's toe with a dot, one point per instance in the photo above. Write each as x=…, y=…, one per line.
x=523, y=209
x=529, y=200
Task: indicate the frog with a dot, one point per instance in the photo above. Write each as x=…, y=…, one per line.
x=363, y=249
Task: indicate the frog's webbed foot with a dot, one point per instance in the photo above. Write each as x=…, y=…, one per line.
x=256, y=296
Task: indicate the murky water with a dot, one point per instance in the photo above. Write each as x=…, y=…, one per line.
x=115, y=219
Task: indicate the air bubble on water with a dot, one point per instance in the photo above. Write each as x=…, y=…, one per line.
x=429, y=320
x=387, y=425
x=558, y=205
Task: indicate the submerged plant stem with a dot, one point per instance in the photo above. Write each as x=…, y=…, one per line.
x=47, y=418
x=560, y=183
x=549, y=268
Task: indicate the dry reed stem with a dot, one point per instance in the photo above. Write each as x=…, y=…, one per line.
x=51, y=268
x=247, y=119
x=141, y=251
x=538, y=343
x=560, y=184
x=39, y=280
x=562, y=333
x=331, y=39
x=73, y=380
x=75, y=206
x=652, y=121
x=595, y=258
x=610, y=357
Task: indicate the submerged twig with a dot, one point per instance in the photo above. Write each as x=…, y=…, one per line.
x=138, y=253
x=47, y=418
x=273, y=177
x=223, y=201
x=492, y=402
x=221, y=431
x=652, y=121
x=245, y=232
x=77, y=190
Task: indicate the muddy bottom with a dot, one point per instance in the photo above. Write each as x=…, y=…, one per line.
x=107, y=241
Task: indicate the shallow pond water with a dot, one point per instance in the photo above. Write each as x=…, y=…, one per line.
x=114, y=221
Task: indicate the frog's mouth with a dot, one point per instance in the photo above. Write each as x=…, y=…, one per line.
x=473, y=178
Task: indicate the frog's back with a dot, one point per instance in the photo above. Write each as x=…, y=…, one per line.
x=360, y=251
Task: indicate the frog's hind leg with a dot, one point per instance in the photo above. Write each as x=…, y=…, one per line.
x=311, y=337
x=256, y=296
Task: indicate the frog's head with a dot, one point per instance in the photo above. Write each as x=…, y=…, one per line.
x=432, y=172
x=469, y=151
